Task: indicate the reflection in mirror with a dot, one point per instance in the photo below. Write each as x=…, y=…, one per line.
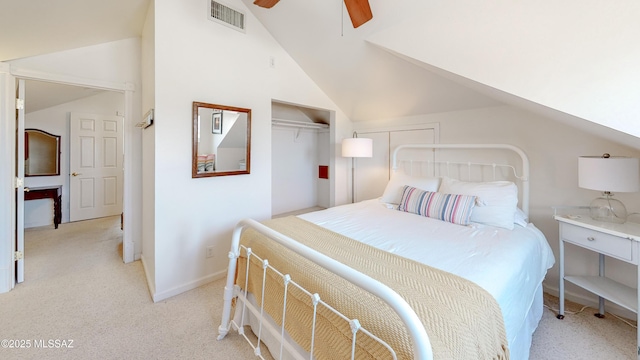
x=221, y=140
x=41, y=153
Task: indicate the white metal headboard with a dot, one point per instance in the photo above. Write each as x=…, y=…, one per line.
x=523, y=177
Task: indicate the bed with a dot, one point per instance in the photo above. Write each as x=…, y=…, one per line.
x=449, y=264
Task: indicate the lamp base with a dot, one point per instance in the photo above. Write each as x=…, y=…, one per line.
x=608, y=209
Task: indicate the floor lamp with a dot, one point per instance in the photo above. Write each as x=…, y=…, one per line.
x=356, y=147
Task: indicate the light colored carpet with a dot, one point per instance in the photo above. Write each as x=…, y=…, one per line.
x=77, y=288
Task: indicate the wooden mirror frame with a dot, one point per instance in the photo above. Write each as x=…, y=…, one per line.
x=194, y=141
x=56, y=152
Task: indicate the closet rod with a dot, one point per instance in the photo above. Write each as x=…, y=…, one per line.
x=298, y=124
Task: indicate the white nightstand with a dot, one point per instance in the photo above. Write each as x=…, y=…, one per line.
x=620, y=241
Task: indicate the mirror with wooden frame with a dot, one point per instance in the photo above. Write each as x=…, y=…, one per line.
x=41, y=153
x=221, y=140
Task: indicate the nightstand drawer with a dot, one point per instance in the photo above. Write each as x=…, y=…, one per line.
x=607, y=244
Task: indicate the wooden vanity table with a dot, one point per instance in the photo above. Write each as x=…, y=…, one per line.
x=48, y=192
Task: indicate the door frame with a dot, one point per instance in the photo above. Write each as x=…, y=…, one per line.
x=8, y=75
x=19, y=173
x=7, y=181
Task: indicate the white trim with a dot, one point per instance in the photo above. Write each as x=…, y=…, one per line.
x=150, y=283
x=129, y=218
x=29, y=74
x=426, y=126
x=7, y=189
x=188, y=286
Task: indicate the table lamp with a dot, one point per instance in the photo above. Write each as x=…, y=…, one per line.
x=608, y=173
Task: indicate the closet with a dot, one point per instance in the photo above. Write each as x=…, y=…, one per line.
x=299, y=159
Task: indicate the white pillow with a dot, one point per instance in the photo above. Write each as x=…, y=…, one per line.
x=393, y=192
x=520, y=218
x=497, y=201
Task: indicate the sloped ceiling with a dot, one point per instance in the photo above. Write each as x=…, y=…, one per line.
x=574, y=61
x=571, y=61
x=552, y=54
x=366, y=82
x=36, y=27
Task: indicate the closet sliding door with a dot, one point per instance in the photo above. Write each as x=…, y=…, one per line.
x=372, y=174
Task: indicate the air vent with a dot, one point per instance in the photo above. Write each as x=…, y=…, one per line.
x=227, y=16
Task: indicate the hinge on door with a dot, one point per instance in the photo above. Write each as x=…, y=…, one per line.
x=19, y=182
x=19, y=104
x=18, y=255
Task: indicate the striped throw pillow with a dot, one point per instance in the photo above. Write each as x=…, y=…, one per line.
x=447, y=207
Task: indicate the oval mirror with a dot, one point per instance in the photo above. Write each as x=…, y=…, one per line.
x=41, y=153
x=221, y=140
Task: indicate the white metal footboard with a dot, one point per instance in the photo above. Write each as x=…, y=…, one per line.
x=420, y=339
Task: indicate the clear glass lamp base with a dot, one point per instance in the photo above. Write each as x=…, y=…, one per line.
x=608, y=209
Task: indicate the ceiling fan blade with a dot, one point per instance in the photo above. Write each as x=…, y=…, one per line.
x=359, y=11
x=266, y=3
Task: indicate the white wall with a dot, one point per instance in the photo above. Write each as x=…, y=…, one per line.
x=553, y=150
x=192, y=214
x=295, y=155
x=56, y=120
x=575, y=56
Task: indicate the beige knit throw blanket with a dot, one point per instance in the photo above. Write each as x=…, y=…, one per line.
x=462, y=320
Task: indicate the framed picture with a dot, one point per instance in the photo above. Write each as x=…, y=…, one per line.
x=216, y=121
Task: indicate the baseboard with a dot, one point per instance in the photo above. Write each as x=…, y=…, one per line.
x=5, y=280
x=188, y=286
x=591, y=301
x=150, y=283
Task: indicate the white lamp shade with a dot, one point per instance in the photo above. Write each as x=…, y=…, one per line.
x=357, y=147
x=615, y=173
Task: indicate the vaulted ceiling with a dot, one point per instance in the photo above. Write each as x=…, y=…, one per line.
x=568, y=60
x=36, y=27
x=414, y=57
x=365, y=81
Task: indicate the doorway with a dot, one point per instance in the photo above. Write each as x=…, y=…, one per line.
x=49, y=107
x=131, y=204
x=300, y=165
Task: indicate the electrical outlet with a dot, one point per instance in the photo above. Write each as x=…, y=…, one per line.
x=209, y=251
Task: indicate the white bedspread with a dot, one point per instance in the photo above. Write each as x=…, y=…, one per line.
x=509, y=264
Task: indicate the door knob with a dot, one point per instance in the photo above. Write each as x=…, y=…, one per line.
x=26, y=189
x=76, y=174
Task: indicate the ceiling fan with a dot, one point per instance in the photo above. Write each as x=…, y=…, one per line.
x=359, y=10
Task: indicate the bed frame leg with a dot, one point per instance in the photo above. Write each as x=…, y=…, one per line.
x=223, y=329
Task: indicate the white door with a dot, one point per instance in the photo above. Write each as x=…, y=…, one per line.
x=20, y=183
x=95, y=162
x=422, y=136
